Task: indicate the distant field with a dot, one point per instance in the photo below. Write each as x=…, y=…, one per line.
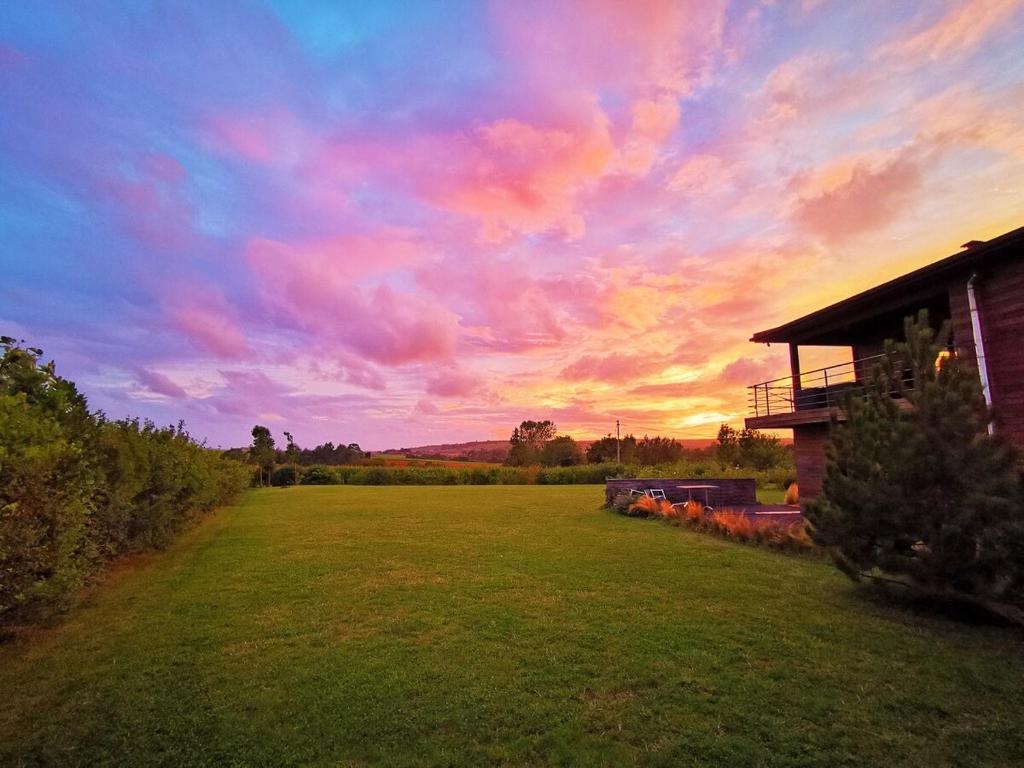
x=401, y=461
x=483, y=625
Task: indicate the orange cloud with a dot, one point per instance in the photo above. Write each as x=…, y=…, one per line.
x=654, y=120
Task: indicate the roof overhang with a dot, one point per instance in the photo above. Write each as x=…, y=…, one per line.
x=833, y=324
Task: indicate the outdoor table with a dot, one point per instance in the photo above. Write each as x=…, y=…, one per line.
x=691, y=488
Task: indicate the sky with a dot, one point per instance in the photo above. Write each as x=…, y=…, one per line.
x=418, y=222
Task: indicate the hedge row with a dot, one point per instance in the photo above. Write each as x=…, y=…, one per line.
x=77, y=490
x=581, y=474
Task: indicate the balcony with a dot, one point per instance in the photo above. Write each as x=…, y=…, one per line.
x=807, y=398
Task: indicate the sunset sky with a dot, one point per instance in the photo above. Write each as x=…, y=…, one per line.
x=419, y=222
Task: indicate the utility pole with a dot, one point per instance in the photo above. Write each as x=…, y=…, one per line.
x=618, y=444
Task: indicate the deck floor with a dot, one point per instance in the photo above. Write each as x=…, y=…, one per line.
x=773, y=514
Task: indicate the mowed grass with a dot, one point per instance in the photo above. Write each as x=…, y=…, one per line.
x=481, y=625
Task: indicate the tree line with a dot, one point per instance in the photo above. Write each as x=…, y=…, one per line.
x=538, y=443
x=270, y=459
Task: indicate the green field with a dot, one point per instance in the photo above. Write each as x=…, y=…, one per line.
x=481, y=625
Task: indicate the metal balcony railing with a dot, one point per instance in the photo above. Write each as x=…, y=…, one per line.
x=820, y=388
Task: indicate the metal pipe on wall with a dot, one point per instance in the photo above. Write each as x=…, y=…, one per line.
x=979, y=345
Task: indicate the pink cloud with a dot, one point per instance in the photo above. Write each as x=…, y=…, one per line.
x=955, y=34
x=809, y=86
x=164, y=167
x=614, y=368
x=504, y=305
x=649, y=47
x=871, y=198
x=209, y=330
x=147, y=199
x=272, y=137
x=343, y=258
x=654, y=120
x=454, y=383
x=349, y=368
x=746, y=371
x=159, y=384
x=517, y=177
x=201, y=314
x=700, y=175
x=425, y=408
x=380, y=323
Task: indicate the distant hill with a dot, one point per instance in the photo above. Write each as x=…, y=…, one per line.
x=490, y=450
x=478, y=450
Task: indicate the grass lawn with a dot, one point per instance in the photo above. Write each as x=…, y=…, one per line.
x=771, y=495
x=481, y=625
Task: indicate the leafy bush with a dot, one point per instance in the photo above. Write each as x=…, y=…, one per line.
x=792, y=494
x=733, y=524
x=77, y=490
x=621, y=503
x=646, y=506
x=319, y=476
x=285, y=476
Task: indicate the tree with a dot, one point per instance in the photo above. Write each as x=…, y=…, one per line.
x=262, y=452
x=749, y=448
x=292, y=452
x=658, y=450
x=608, y=449
x=916, y=490
x=727, y=449
x=561, y=451
x=527, y=441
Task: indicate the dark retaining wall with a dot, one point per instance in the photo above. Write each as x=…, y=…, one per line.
x=732, y=492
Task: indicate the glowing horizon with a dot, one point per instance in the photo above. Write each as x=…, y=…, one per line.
x=401, y=224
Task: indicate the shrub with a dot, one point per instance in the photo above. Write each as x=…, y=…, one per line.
x=741, y=527
x=780, y=477
x=792, y=494
x=733, y=524
x=319, y=476
x=621, y=503
x=646, y=506
x=77, y=490
x=693, y=511
x=380, y=476
x=285, y=476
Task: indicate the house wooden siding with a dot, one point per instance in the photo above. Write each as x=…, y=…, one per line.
x=999, y=292
x=1000, y=295
x=809, y=443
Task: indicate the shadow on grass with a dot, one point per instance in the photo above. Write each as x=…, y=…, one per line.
x=949, y=608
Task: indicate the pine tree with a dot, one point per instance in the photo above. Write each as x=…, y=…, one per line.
x=916, y=488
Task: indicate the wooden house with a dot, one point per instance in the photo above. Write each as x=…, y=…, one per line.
x=980, y=290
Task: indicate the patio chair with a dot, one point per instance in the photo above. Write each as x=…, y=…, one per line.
x=657, y=493
x=708, y=510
